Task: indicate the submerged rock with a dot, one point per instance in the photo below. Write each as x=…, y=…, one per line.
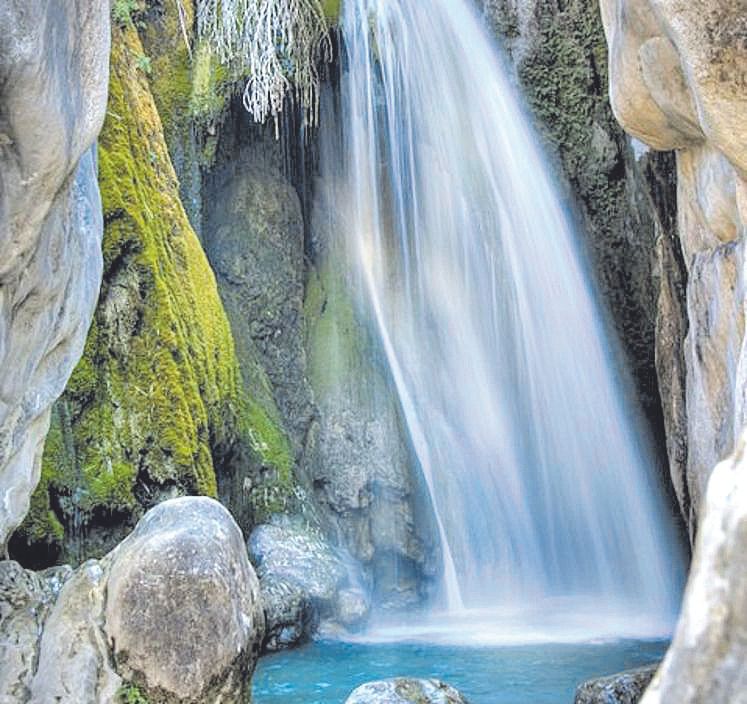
x=172, y=613
x=623, y=688
x=402, y=690
x=302, y=581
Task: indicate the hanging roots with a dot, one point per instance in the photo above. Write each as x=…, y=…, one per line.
x=278, y=44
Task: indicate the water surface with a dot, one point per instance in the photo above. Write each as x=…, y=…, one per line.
x=326, y=672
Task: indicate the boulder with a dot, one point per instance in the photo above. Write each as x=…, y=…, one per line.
x=183, y=614
x=53, y=86
x=402, y=690
x=623, y=688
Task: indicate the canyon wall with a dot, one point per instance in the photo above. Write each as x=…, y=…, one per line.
x=53, y=88
x=678, y=80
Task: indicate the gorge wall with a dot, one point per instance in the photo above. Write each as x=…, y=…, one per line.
x=678, y=80
x=53, y=79
x=225, y=357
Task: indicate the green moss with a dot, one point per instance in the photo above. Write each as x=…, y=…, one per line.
x=157, y=399
x=333, y=333
x=209, y=87
x=332, y=9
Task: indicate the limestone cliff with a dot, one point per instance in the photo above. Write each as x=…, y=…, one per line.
x=677, y=81
x=53, y=82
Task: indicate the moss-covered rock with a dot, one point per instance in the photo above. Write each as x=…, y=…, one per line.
x=157, y=405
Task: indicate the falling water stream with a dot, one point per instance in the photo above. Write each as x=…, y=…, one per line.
x=543, y=495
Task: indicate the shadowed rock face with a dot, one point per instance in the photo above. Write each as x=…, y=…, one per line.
x=53, y=87
x=678, y=79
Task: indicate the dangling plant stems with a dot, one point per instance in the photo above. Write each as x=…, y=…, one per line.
x=277, y=44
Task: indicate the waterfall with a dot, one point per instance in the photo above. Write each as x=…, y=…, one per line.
x=542, y=490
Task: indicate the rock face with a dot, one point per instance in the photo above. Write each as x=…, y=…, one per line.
x=253, y=229
x=405, y=691
x=173, y=614
x=53, y=84
x=303, y=581
x=706, y=661
x=359, y=461
x=677, y=81
x=623, y=688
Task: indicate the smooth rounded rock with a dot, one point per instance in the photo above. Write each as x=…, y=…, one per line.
x=402, y=690
x=183, y=614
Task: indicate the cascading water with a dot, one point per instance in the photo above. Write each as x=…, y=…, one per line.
x=468, y=265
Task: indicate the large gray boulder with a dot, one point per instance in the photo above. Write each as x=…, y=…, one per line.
x=403, y=690
x=173, y=611
x=183, y=613
x=54, y=73
x=623, y=688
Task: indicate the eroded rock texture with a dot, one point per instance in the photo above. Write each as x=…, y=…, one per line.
x=156, y=408
x=53, y=87
x=303, y=581
x=171, y=615
x=678, y=80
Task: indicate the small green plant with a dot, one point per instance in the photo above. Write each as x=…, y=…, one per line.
x=130, y=694
x=122, y=11
x=143, y=63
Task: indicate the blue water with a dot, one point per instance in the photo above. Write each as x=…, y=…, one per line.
x=326, y=672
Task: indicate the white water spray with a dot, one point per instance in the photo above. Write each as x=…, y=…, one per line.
x=541, y=488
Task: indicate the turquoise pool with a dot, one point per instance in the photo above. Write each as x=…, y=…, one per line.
x=325, y=672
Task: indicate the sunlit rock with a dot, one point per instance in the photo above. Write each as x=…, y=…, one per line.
x=173, y=614
x=677, y=79
x=53, y=85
